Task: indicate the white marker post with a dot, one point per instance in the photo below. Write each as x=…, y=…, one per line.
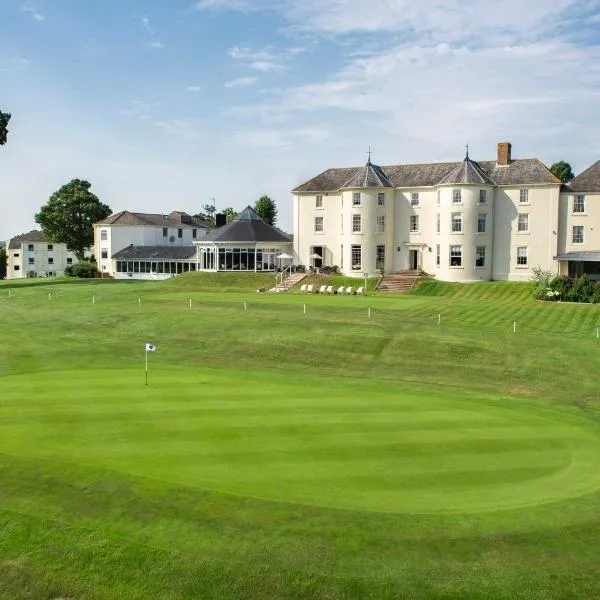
x=365, y=275
x=149, y=348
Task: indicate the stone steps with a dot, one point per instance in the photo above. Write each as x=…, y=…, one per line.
x=288, y=283
x=398, y=282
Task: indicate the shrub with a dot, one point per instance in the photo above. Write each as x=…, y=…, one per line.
x=83, y=269
x=541, y=280
x=595, y=298
x=562, y=285
x=581, y=291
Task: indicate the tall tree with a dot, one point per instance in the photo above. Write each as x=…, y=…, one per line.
x=266, y=209
x=207, y=214
x=3, y=258
x=563, y=171
x=4, y=119
x=69, y=214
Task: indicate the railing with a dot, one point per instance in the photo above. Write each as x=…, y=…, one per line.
x=280, y=276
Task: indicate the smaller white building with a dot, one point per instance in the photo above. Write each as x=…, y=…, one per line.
x=31, y=255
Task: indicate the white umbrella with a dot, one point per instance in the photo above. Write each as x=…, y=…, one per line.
x=315, y=255
x=285, y=256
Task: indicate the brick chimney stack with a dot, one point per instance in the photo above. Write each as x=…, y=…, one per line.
x=504, y=153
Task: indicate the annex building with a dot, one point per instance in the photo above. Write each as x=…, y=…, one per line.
x=466, y=221
x=31, y=255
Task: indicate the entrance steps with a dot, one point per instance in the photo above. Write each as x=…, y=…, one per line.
x=402, y=281
x=288, y=283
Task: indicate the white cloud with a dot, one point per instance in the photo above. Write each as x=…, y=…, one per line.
x=154, y=45
x=193, y=88
x=263, y=60
x=241, y=82
x=234, y=5
x=146, y=25
x=28, y=7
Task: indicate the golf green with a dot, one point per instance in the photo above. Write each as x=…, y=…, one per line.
x=354, y=444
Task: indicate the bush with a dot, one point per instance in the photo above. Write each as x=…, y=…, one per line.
x=83, y=269
x=581, y=291
x=541, y=281
x=562, y=285
x=595, y=298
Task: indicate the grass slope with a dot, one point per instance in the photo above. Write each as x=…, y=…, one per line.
x=279, y=453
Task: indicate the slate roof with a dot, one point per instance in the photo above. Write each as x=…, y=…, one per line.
x=174, y=219
x=156, y=253
x=588, y=181
x=467, y=172
x=519, y=172
x=247, y=227
x=32, y=236
x=369, y=176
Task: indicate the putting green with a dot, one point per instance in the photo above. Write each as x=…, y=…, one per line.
x=358, y=445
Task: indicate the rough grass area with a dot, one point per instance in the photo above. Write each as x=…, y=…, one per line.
x=294, y=446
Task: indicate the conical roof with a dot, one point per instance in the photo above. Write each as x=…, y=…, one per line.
x=368, y=176
x=467, y=172
x=247, y=227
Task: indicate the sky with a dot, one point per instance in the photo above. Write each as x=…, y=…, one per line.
x=166, y=105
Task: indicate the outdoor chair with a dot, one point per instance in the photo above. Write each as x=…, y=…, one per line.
x=309, y=288
x=322, y=289
x=330, y=289
x=303, y=287
x=349, y=290
x=340, y=290
x=360, y=291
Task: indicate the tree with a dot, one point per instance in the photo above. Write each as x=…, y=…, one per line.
x=563, y=171
x=69, y=214
x=266, y=209
x=4, y=119
x=229, y=213
x=3, y=257
x=207, y=214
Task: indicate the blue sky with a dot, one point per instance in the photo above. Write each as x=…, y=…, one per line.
x=165, y=105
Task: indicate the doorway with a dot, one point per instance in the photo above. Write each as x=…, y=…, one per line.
x=413, y=260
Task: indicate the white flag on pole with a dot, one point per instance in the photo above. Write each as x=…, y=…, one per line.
x=150, y=348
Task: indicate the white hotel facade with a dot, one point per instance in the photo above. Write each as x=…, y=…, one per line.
x=468, y=221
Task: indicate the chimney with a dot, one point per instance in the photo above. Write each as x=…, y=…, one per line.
x=504, y=153
x=220, y=220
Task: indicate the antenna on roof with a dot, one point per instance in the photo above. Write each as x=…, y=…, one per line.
x=369, y=156
x=467, y=152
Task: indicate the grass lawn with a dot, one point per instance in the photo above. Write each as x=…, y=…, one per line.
x=294, y=446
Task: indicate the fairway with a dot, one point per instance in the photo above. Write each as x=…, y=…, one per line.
x=296, y=447
x=398, y=448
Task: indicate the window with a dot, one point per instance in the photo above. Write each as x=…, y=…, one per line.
x=456, y=196
x=381, y=199
x=523, y=223
x=318, y=224
x=414, y=223
x=31, y=261
x=577, y=234
x=50, y=260
x=480, y=256
x=30, y=247
x=437, y=223
x=69, y=261
x=319, y=202
x=456, y=256
x=456, y=222
x=380, y=258
x=482, y=196
x=579, y=203
x=524, y=196
x=380, y=224
x=180, y=233
x=356, y=199
x=165, y=232
x=356, y=255
x=194, y=233
x=522, y=256
x=437, y=255
x=356, y=224
x=414, y=199
x=104, y=253
x=17, y=268
x=481, y=222
x=104, y=235
x=439, y=196
x=50, y=247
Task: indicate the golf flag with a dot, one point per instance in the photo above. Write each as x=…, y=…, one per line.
x=150, y=348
